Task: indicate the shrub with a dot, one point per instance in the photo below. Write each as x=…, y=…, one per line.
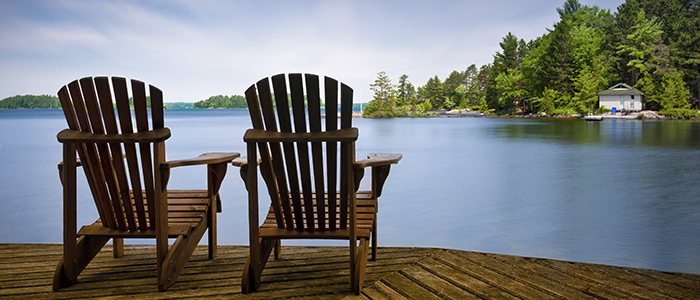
x=563, y=111
x=680, y=113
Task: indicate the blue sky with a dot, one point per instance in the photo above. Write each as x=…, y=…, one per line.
x=196, y=49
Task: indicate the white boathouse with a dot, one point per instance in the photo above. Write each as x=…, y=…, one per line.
x=621, y=96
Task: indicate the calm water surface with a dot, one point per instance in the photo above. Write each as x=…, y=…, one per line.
x=613, y=192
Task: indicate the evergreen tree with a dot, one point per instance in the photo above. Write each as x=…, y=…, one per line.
x=455, y=90
x=479, y=87
x=510, y=88
x=644, y=41
x=558, y=69
x=614, y=36
x=667, y=93
x=570, y=7
x=433, y=91
x=383, y=103
x=406, y=92
x=510, y=58
x=683, y=30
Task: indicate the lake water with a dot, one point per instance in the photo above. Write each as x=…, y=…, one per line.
x=618, y=192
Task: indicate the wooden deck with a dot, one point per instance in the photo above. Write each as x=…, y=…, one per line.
x=26, y=271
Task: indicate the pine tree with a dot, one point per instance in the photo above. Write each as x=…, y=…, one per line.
x=384, y=101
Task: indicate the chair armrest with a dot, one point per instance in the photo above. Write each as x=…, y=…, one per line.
x=242, y=161
x=75, y=136
x=378, y=159
x=204, y=159
x=216, y=162
x=381, y=164
x=342, y=135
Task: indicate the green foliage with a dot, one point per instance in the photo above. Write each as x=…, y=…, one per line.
x=649, y=44
x=433, y=90
x=587, y=85
x=667, y=93
x=510, y=88
x=563, y=111
x=483, y=106
x=545, y=103
x=180, y=105
x=425, y=106
x=570, y=7
x=643, y=41
x=406, y=93
x=454, y=89
x=383, y=105
x=30, y=101
x=131, y=103
x=681, y=113
x=220, y=101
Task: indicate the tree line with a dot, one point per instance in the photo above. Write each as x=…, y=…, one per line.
x=30, y=101
x=221, y=101
x=652, y=45
x=48, y=101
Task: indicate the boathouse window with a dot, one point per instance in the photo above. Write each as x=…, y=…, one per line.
x=632, y=97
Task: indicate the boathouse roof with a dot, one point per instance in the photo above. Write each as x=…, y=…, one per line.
x=621, y=89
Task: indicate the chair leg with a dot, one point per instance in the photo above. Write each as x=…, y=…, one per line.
x=374, y=240
x=247, y=280
x=211, y=222
x=358, y=278
x=177, y=257
x=278, y=249
x=250, y=280
x=118, y=247
x=86, y=249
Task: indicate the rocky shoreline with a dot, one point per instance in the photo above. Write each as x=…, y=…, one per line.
x=466, y=113
x=641, y=115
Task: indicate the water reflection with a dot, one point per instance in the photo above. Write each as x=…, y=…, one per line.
x=649, y=133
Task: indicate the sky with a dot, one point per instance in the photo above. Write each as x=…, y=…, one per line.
x=192, y=50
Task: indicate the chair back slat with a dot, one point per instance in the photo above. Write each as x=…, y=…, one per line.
x=345, y=159
x=280, y=202
x=296, y=87
x=138, y=91
x=117, y=185
x=121, y=97
x=303, y=169
x=313, y=96
x=266, y=164
x=103, y=166
x=104, y=93
x=304, y=206
x=156, y=107
x=331, y=93
x=279, y=85
x=72, y=104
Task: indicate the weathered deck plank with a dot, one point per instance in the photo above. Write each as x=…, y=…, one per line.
x=26, y=271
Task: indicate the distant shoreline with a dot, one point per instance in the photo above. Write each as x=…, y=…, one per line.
x=641, y=115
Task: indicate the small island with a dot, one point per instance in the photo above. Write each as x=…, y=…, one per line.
x=30, y=102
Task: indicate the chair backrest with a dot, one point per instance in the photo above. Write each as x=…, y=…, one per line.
x=88, y=107
x=294, y=172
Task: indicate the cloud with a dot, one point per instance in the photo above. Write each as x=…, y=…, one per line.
x=196, y=49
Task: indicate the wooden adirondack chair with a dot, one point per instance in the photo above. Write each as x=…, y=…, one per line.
x=128, y=175
x=310, y=172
